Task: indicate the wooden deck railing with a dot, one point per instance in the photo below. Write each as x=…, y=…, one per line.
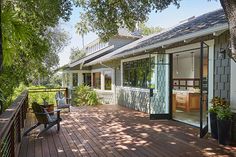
x=12, y=122
x=11, y=126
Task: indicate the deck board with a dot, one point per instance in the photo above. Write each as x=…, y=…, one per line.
x=112, y=131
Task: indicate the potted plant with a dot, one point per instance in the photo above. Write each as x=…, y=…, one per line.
x=216, y=101
x=224, y=123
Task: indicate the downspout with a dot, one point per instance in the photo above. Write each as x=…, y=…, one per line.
x=114, y=78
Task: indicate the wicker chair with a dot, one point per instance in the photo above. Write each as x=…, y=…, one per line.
x=48, y=119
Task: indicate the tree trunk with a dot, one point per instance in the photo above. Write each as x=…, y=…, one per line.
x=83, y=40
x=1, y=52
x=229, y=7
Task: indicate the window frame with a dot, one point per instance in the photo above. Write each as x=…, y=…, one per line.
x=139, y=58
x=77, y=79
x=102, y=70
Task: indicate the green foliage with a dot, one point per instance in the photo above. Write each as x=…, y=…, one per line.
x=221, y=107
x=224, y=113
x=149, y=30
x=106, y=17
x=76, y=54
x=38, y=97
x=84, y=95
x=31, y=41
x=216, y=103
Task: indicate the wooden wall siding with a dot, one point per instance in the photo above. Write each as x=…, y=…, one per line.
x=222, y=68
x=133, y=98
x=106, y=97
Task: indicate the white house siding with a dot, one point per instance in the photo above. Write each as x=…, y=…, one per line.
x=106, y=97
x=135, y=98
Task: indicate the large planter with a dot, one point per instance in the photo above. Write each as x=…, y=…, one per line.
x=224, y=131
x=213, y=123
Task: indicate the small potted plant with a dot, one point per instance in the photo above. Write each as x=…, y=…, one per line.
x=224, y=123
x=216, y=101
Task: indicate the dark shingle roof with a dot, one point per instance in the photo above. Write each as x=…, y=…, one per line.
x=202, y=22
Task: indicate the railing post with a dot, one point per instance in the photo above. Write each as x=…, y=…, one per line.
x=12, y=141
x=67, y=95
x=1, y=103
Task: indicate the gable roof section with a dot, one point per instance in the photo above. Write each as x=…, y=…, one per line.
x=202, y=25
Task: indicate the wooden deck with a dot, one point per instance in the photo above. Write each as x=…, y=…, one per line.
x=116, y=131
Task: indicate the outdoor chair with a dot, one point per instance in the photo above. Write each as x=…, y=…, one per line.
x=48, y=119
x=62, y=102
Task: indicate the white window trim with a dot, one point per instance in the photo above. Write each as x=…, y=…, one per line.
x=102, y=70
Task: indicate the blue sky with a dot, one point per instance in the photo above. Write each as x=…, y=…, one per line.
x=167, y=18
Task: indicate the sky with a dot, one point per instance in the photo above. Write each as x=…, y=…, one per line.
x=165, y=19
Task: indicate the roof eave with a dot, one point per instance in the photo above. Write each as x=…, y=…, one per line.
x=175, y=40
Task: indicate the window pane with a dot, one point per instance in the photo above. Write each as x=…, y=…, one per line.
x=139, y=73
x=97, y=80
x=75, y=79
x=107, y=75
x=87, y=79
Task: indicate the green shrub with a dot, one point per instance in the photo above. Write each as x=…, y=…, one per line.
x=84, y=95
x=224, y=113
x=38, y=97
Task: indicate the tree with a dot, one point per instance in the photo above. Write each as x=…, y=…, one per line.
x=149, y=30
x=229, y=7
x=82, y=28
x=76, y=54
x=31, y=40
x=105, y=17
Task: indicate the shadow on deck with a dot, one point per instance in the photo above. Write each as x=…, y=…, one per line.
x=117, y=131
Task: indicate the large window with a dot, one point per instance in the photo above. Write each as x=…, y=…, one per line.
x=139, y=73
x=75, y=79
x=87, y=79
x=107, y=80
x=97, y=80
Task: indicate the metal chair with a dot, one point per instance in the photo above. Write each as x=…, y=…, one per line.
x=62, y=102
x=49, y=119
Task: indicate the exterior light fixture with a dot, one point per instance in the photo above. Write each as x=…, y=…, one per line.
x=222, y=53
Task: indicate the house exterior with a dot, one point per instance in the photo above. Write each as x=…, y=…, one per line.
x=99, y=76
x=173, y=74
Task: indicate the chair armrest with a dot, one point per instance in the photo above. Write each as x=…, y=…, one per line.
x=47, y=112
x=58, y=111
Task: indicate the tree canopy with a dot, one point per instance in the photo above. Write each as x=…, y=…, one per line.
x=76, y=54
x=31, y=39
x=145, y=30
x=106, y=17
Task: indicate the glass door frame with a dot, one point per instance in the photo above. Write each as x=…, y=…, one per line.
x=203, y=129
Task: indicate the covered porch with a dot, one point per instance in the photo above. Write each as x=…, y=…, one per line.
x=110, y=130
